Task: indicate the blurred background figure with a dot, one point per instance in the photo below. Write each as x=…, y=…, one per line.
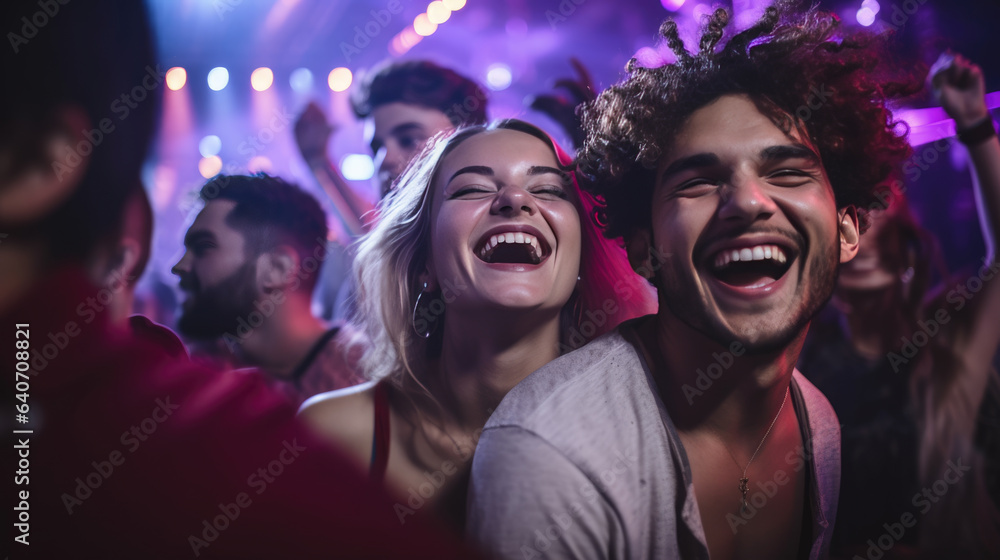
x=905, y=355
x=128, y=451
x=252, y=258
x=125, y=264
x=403, y=105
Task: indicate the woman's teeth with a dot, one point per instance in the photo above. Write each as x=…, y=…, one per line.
x=513, y=237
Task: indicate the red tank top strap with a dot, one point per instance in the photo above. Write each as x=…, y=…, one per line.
x=380, y=439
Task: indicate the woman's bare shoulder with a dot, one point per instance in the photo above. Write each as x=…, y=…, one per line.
x=345, y=417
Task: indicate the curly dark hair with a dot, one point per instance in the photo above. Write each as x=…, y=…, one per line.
x=269, y=212
x=798, y=67
x=423, y=83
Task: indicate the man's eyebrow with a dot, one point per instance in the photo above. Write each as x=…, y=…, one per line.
x=477, y=169
x=194, y=236
x=790, y=151
x=691, y=162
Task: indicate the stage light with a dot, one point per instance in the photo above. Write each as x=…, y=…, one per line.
x=423, y=26
x=176, y=78
x=454, y=5
x=672, y=5
x=498, y=76
x=301, y=80
x=408, y=37
x=340, y=79
x=396, y=47
x=260, y=164
x=437, y=12
x=871, y=5
x=218, y=78
x=357, y=167
x=210, y=166
x=210, y=146
x=866, y=17
x=261, y=79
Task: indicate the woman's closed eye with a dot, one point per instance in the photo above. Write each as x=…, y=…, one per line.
x=549, y=191
x=472, y=192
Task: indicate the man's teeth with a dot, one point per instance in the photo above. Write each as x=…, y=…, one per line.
x=511, y=237
x=756, y=253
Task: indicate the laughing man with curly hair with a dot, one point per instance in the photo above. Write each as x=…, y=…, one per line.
x=738, y=177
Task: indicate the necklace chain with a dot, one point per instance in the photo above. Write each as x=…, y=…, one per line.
x=763, y=439
x=744, y=481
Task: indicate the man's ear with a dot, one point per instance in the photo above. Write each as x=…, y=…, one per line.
x=276, y=269
x=32, y=195
x=850, y=232
x=637, y=246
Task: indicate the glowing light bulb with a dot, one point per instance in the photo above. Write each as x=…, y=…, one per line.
x=176, y=78
x=261, y=79
x=340, y=79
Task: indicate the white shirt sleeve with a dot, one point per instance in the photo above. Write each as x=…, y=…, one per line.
x=527, y=500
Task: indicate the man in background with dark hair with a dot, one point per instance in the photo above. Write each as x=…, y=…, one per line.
x=122, y=450
x=251, y=260
x=408, y=103
x=404, y=104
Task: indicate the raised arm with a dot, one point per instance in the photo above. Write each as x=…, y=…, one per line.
x=312, y=134
x=562, y=109
x=960, y=87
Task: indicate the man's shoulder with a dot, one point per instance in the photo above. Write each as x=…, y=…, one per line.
x=824, y=426
x=562, y=389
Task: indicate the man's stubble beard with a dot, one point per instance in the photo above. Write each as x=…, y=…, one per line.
x=692, y=313
x=216, y=310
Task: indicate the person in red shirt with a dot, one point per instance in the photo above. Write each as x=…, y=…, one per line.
x=122, y=450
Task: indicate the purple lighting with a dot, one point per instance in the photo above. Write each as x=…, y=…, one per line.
x=672, y=5
x=701, y=10
x=866, y=16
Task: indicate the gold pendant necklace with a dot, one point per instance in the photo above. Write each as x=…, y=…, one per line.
x=744, y=480
x=657, y=360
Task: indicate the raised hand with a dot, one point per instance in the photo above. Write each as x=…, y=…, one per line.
x=312, y=132
x=562, y=109
x=959, y=85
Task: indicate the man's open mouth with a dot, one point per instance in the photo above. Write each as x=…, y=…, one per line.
x=752, y=266
x=514, y=247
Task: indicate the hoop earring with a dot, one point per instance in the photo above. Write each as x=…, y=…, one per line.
x=429, y=328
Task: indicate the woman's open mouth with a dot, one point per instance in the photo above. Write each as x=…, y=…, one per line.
x=512, y=247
